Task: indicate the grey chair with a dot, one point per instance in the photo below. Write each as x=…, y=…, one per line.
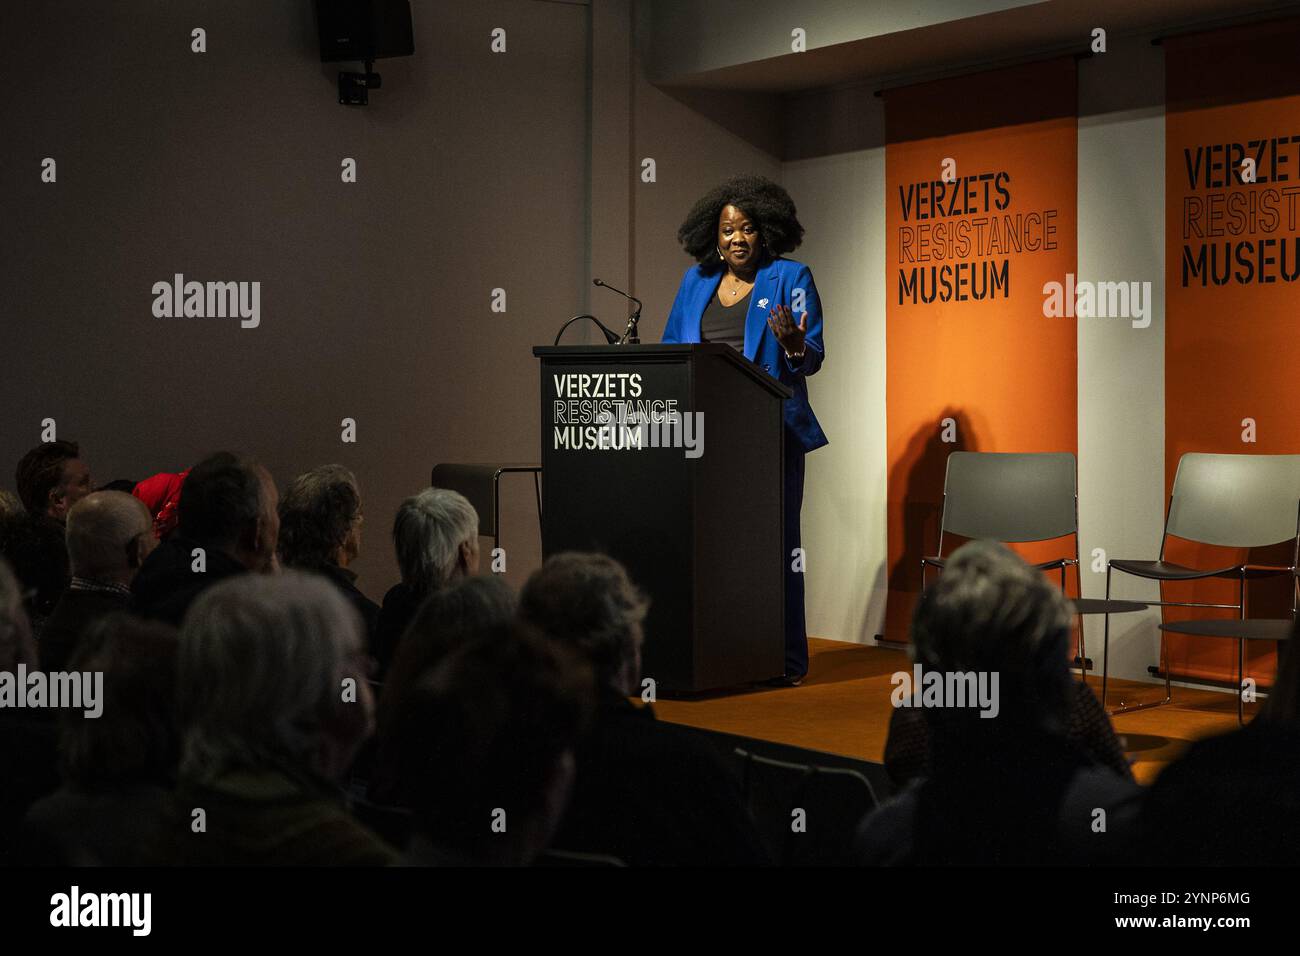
x=1014, y=498
x=833, y=800
x=481, y=486
x=1230, y=501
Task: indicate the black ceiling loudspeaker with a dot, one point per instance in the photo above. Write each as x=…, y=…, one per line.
x=364, y=30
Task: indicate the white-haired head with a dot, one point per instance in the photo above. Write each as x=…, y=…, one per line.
x=435, y=535
x=272, y=674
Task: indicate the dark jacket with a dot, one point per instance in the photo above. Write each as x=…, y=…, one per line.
x=167, y=585
x=1000, y=796
x=116, y=827
x=1230, y=800
x=652, y=793
x=346, y=582
x=75, y=611
x=28, y=769
x=34, y=546
x=907, y=749
x=400, y=605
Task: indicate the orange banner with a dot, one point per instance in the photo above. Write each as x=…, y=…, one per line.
x=981, y=186
x=1232, y=284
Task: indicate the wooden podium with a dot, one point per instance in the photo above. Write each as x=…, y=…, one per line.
x=698, y=528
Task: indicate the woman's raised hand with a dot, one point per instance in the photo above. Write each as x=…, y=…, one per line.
x=781, y=321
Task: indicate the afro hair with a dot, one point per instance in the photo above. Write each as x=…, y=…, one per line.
x=763, y=201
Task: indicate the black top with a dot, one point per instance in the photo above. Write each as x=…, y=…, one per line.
x=167, y=583
x=907, y=747
x=652, y=793
x=1229, y=800
x=75, y=612
x=400, y=605
x=1026, y=799
x=28, y=771
x=725, y=323
x=345, y=580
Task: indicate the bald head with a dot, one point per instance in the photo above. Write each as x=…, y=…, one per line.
x=109, y=534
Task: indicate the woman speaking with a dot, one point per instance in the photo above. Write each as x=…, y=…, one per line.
x=744, y=293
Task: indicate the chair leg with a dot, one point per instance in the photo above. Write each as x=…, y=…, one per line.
x=1164, y=659
x=1105, y=643
x=1241, y=652
x=1164, y=653
x=496, y=511
x=1083, y=674
x=1083, y=654
x=1083, y=647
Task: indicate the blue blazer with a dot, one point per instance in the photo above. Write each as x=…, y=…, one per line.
x=774, y=284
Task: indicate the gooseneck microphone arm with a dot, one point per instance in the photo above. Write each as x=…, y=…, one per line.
x=610, y=337
x=630, y=334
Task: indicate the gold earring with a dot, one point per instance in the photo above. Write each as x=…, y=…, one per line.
x=720, y=255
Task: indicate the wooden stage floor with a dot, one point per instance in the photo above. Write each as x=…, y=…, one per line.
x=843, y=708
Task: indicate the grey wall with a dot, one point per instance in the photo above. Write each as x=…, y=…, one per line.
x=1121, y=368
x=692, y=154
x=225, y=166
x=840, y=196
x=692, y=37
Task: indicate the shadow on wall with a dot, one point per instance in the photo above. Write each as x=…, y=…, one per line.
x=916, y=487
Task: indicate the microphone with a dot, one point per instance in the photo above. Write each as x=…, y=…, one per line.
x=629, y=335
x=610, y=337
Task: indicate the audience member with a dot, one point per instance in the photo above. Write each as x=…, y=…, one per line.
x=119, y=768
x=161, y=494
x=10, y=506
x=646, y=792
x=28, y=768
x=109, y=536
x=485, y=743
x=435, y=535
x=35, y=548
x=1006, y=788
x=274, y=706
x=228, y=525
x=51, y=478
x=1234, y=799
x=320, y=531
x=461, y=613
x=907, y=748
